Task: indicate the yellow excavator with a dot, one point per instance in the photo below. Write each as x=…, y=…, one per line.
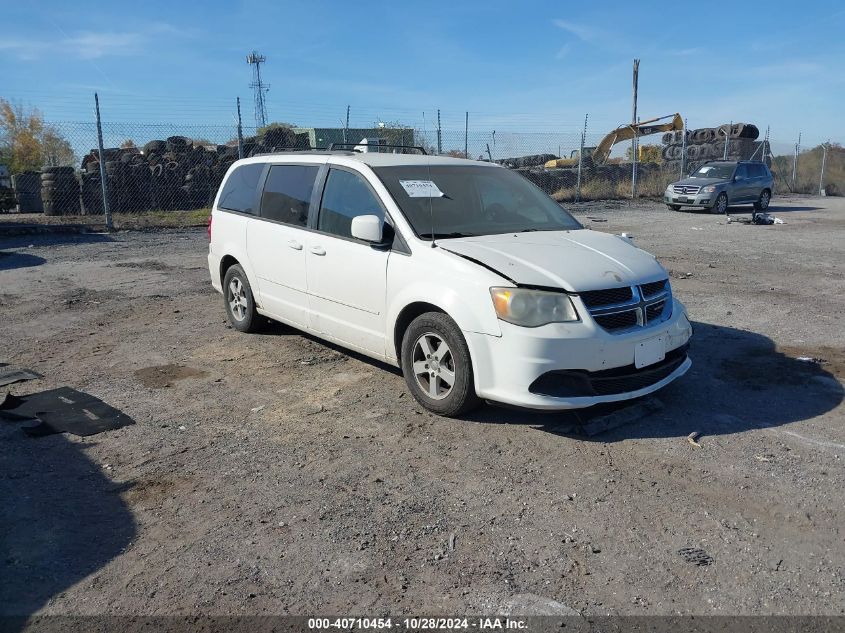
x=599, y=154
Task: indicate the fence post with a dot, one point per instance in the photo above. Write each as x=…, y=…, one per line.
x=684, y=150
x=466, y=137
x=821, y=177
x=728, y=141
x=634, y=140
x=795, y=163
x=346, y=127
x=580, y=159
x=103, y=180
x=439, y=145
x=240, y=133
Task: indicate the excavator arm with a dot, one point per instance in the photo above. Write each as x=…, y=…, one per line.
x=625, y=133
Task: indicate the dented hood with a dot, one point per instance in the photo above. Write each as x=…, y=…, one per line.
x=572, y=260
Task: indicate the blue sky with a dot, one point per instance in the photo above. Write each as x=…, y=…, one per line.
x=515, y=66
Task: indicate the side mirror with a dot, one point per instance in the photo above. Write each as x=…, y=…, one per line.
x=367, y=228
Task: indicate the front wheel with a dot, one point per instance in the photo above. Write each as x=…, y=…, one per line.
x=721, y=204
x=437, y=366
x=763, y=201
x=674, y=207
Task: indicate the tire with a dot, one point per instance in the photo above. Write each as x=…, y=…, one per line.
x=235, y=283
x=721, y=204
x=423, y=341
x=674, y=207
x=763, y=201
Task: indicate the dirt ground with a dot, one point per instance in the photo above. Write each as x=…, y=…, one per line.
x=272, y=473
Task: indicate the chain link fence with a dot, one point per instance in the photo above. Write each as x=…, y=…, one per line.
x=168, y=174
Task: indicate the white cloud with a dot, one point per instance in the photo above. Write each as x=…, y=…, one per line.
x=89, y=44
x=583, y=32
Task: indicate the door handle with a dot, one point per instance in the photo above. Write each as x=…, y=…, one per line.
x=295, y=245
x=318, y=250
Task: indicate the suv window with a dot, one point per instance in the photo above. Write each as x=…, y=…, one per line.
x=346, y=196
x=239, y=191
x=287, y=193
x=741, y=172
x=757, y=170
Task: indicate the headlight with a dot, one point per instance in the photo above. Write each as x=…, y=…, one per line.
x=708, y=189
x=532, y=308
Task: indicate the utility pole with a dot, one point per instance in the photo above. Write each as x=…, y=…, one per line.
x=795, y=162
x=728, y=141
x=634, y=123
x=255, y=59
x=824, y=160
x=684, y=150
x=103, y=177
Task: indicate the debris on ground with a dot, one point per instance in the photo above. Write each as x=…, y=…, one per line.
x=10, y=375
x=595, y=420
x=63, y=410
x=695, y=555
x=692, y=437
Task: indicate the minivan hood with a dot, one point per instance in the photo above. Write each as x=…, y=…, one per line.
x=572, y=260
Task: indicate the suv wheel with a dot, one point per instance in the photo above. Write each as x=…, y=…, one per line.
x=721, y=204
x=437, y=366
x=674, y=207
x=763, y=201
x=240, y=305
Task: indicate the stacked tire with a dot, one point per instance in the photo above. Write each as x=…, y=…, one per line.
x=27, y=186
x=60, y=191
x=705, y=144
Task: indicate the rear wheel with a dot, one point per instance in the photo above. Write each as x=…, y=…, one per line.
x=763, y=201
x=437, y=366
x=721, y=204
x=240, y=304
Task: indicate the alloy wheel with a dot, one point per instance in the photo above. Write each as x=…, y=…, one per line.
x=434, y=366
x=236, y=296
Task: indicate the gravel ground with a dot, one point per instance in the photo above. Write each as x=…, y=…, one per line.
x=275, y=474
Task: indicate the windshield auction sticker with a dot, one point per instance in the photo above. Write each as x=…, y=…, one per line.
x=421, y=189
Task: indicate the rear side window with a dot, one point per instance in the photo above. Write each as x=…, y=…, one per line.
x=239, y=191
x=287, y=193
x=346, y=196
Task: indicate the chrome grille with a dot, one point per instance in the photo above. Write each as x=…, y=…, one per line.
x=686, y=189
x=622, y=309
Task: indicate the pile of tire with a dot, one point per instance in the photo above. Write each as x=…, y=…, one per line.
x=534, y=160
x=27, y=186
x=171, y=174
x=705, y=144
x=60, y=191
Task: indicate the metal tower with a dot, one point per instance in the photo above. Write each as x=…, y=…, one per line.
x=255, y=59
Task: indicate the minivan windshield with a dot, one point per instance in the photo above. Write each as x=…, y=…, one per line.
x=442, y=201
x=724, y=171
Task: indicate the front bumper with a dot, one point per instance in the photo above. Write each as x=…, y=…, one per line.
x=514, y=368
x=704, y=200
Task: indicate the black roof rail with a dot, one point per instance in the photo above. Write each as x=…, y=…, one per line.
x=380, y=145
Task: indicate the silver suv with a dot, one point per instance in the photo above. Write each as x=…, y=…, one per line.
x=718, y=184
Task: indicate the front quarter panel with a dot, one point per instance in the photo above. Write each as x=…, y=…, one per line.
x=456, y=286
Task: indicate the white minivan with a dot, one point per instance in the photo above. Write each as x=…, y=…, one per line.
x=464, y=274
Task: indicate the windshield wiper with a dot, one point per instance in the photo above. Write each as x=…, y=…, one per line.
x=447, y=235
